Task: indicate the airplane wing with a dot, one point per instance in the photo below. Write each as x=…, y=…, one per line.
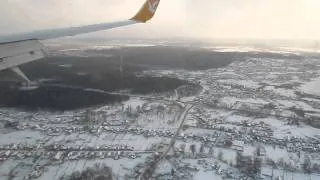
x=17, y=49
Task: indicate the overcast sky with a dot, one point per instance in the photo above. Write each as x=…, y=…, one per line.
x=274, y=19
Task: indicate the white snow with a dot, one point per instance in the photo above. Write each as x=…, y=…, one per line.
x=281, y=130
x=301, y=131
x=236, y=118
x=249, y=150
x=245, y=83
x=289, y=175
x=228, y=154
x=134, y=103
x=66, y=65
x=276, y=153
x=286, y=103
x=27, y=136
x=6, y=167
x=311, y=100
x=281, y=91
x=117, y=166
x=209, y=175
x=272, y=121
x=232, y=100
x=312, y=87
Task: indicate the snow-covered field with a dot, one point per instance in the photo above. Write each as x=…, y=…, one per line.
x=312, y=87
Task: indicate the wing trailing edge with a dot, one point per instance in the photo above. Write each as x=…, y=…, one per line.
x=16, y=53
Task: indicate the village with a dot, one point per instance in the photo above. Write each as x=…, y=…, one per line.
x=235, y=123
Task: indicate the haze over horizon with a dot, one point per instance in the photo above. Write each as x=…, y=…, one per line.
x=229, y=19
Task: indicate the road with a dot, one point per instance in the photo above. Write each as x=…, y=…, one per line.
x=183, y=117
x=148, y=171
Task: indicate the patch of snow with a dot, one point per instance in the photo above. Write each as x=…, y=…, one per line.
x=6, y=167
x=281, y=91
x=249, y=150
x=26, y=136
x=233, y=100
x=55, y=172
x=289, y=175
x=134, y=103
x=311, y=100
x=286, y=103
x=276, y=153
x=236, y=118
x=228, y=155
x=245, y=83
x=66, y=65
x=301, y=131
x=201, y=175
x=312, y=87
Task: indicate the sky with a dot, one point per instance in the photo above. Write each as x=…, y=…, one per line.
x=252, y=19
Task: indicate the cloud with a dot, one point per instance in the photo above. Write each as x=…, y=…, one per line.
x=34, y=14
x=275, y=19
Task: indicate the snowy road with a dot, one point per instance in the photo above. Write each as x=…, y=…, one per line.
x=147, y=173
x=182, y=120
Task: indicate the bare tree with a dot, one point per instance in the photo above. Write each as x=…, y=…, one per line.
x=306, y=165
x=220, y=155
x=193, y=148
x=211, y=150
x=238, y=159
x=258, y=151
x=97, y=172
x=201, y=149
x=256, y=166
x=183, y=147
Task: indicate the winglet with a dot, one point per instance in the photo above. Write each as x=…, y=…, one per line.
x=147, y=11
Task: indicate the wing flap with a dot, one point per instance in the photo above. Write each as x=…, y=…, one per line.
x=20, y=47
x=16, y=53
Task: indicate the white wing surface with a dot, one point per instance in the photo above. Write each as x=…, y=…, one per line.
x=17, y=49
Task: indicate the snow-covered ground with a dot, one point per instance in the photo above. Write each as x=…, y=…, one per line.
x=289, y=175
x=312, y=87
x=252, y=103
